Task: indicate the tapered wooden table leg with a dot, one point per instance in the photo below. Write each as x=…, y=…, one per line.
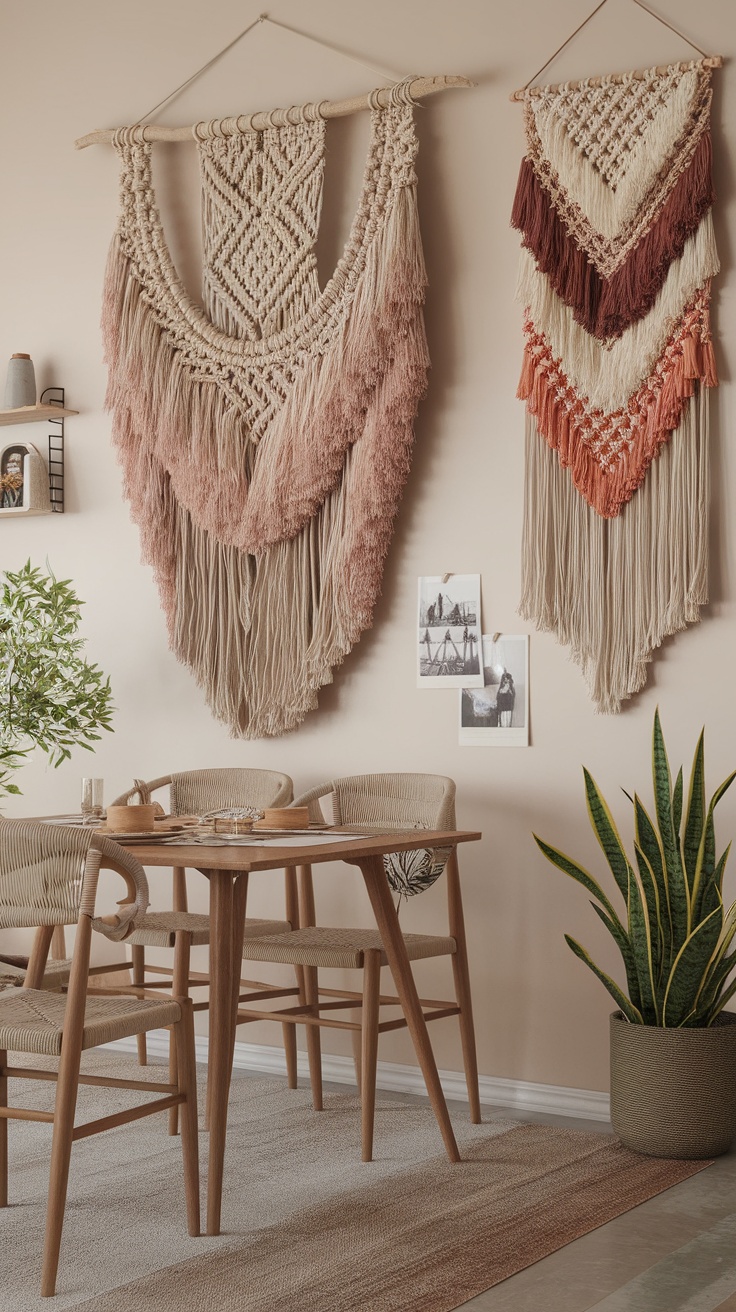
x=393, y=942
x=222, y=969
x=228, y=893
x=240, y=894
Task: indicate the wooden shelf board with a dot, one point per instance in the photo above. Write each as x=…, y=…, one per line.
x=34, y=414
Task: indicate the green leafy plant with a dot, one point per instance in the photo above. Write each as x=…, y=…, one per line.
x=50, y=696
x=675, y=936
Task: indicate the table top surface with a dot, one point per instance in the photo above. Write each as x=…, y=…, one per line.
x=275, y=856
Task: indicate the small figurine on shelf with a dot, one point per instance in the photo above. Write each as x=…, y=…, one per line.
x=24, y=481
x=11, y=478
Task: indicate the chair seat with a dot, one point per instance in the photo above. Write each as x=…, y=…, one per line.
x=319, y=946
x=257, y=928
x=31, y=1020
x=55, y=976
x=158, y=929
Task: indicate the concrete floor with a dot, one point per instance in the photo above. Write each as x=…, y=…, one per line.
x=674, y=1253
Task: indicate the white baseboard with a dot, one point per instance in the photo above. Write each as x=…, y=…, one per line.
x=516, y=1095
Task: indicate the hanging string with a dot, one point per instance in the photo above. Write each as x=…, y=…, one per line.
x=584, y=23
x=534, y=76
x=264, y=18
x=676, y=30
x=338, y=50
x=261, y=18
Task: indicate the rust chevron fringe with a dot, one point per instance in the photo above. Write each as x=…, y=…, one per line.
x=603, y=306
x=608, y=454
x=265, y=442
x=615, y=537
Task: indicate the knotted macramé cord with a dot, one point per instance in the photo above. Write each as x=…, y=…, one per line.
x=613, y=204
x=266, y=442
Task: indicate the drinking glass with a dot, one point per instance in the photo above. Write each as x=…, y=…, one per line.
x=92, y=808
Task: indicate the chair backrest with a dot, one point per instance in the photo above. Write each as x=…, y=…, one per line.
x=394, y=801
x=198, y=791
x=49, y=874
x=194, y=792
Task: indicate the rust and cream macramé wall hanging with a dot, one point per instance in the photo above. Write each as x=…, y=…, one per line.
x=266, y=437
x=614, y=209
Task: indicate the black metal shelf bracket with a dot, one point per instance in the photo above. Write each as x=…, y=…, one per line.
x=55, y=396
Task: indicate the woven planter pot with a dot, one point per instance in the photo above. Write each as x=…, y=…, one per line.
x=673, y=1092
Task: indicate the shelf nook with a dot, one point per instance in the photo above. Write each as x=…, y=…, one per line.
x=51, y=410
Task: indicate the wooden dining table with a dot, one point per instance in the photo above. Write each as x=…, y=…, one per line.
x=227, y=868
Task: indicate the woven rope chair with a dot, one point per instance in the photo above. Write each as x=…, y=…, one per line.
x=382, y=801
x=197, y=792
x=48, y=877
x=13, y=973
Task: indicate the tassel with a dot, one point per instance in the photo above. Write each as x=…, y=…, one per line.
x=526, y=380
x=692, y=367
x=710, y=374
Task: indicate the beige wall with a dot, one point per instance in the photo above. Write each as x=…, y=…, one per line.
x=66, y=68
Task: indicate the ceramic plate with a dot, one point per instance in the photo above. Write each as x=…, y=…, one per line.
x=119, y=836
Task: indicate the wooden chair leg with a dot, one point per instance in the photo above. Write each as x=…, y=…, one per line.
x=179, y=989
x=61, y=1148
x=309, y=996
x=356, y=1038
x=369, y=1053
x=183, y=1042
x=3, y=1131
x=289, y=1032
x=180, y=889
x=467, y=1033
x=292, y=915
x=39, y=956
x=461, y=976
x=58, y=944
x=139, y=977
x=308, y=986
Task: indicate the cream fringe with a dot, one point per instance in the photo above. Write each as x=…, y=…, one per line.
x=614, y=589
x=606, y=209
x=607, y=375
x=269, y=574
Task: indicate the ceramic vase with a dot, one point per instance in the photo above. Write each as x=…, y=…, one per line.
x=20, y=382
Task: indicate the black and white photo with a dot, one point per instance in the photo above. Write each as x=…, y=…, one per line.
x=497, y=715
x=449, y=629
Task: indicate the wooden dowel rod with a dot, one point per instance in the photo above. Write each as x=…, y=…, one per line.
x=123, y=1118
x=104, y=1081
x=711, y=61
x=418, y=89
x=24, y=1114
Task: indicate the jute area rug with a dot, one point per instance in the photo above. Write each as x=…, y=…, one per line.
x=308, y=1227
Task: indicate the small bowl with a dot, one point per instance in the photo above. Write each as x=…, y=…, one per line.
x=285, y=817
x=130, y=819
x=233, y=824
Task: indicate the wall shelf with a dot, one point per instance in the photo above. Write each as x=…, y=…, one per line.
x=34, y=414
x=50, y=410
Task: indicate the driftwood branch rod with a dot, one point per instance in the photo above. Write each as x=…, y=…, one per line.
x=418, y=89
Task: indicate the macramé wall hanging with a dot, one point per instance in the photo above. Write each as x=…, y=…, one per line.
x=614, y=209
x=266, y=436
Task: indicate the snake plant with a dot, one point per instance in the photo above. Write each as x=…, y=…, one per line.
x=675, y=937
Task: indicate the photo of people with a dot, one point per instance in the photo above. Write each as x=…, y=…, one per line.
x=11, y=478
x=497, y=715
x=448, y=632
